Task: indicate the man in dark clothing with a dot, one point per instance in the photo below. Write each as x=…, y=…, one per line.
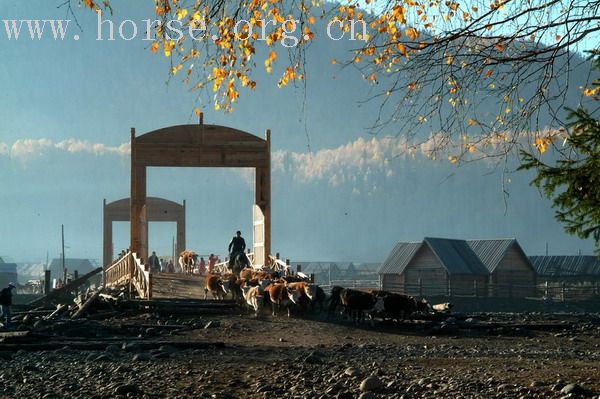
x=6, y=303
x=236, y=246
x=154, y=263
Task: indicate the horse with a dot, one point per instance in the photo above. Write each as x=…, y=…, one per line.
x=238, y=262
x=187, y=260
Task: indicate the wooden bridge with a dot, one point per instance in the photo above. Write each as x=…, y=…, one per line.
x=129, y=271
x=200, y=145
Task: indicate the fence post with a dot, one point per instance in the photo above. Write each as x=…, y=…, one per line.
x=546, y=289
x=47, y=282
x=562, y=291
x=449, y=286
x=312, y=278
x=75, y=277
x=420, y=287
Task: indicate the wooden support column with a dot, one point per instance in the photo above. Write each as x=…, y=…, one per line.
x=180, y=233
x=262, y=209
x=139, y=223
x=107, y=250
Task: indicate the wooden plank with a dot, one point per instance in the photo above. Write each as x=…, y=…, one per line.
x=69, y=287
x=82, y=309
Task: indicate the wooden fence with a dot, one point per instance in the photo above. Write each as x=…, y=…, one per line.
x=128, y=269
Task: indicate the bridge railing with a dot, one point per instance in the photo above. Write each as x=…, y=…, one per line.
x=128, y=269
x=223, y=267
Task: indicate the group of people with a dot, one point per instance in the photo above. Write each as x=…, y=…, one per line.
x=237, y=246
x=160, y=265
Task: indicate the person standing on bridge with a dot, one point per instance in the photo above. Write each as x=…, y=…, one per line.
x=154, y=263
x=236, y=246
x=212, y=261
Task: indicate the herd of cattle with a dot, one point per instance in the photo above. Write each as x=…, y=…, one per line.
x=259, y=290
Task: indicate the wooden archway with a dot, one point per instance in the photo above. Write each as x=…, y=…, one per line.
x=201, y=146
x=159, y=210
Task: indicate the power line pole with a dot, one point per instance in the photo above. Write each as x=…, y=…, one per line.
x=64, y=269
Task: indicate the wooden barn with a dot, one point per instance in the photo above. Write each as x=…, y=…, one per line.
x=435, y=266
x=571, y=269
x=511, y=272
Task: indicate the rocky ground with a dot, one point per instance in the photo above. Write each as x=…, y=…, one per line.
x=474, y=356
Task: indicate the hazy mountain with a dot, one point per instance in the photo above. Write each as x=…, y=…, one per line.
x=351, y=198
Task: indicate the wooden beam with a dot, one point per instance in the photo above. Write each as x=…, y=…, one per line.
x=68, y=287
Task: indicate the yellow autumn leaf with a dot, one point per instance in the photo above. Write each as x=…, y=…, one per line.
x=168, y=46
x=181, y=13
x=452, y=159
x=155, y=46
x=471, y=122
x=589, y=92
x=499, y=47
x=540, y=145
x=412, y=85
x=412, y=33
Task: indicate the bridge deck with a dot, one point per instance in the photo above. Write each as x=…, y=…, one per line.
x=177, y=286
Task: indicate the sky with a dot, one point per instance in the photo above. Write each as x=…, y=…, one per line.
x=338, y=192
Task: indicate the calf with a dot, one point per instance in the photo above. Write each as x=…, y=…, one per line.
x=279, y=297
x=214, y=284
x=232, y=284
x=316, y=295
x=254, y=298
x=297, y=294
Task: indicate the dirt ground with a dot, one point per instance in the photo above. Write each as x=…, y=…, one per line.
x=480, y=356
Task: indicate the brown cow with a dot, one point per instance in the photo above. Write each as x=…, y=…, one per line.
x=214, y=284
x=316, y=295
x=247, y=273
x=297, y=294
x=254, y=298
x=279, y=297
x=187, y=259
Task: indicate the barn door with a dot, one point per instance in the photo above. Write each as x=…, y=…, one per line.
x=258, y=235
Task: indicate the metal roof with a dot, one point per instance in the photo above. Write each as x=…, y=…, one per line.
x=398, y=259
x=558, y=266
x=456, y=256
x=491, y=252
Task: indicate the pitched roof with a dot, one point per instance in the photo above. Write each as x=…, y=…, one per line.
x=491, y=252
x=456, y=256
x=562, y=266
x=72, y=264
x=398, y=259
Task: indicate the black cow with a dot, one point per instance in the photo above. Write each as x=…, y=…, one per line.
x=399, y=306
x=334, y=300
x=356, y=303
